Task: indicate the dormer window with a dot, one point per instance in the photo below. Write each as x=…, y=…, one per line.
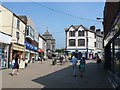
x=81, y=33
x=72, y=33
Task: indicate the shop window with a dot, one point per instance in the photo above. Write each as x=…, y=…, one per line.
x=117, y=55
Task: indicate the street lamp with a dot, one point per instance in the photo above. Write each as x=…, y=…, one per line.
x=98, y=18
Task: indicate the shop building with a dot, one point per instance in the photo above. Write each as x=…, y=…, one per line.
x=42, y=47
x=5, y=41
x=31, y=39
x=83, y=41
x=111, y=25
x=13, y=26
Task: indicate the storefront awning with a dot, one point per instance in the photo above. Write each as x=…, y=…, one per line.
x=40, y=50
x=5, y=38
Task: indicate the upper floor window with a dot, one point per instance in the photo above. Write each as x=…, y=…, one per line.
x=72, y=33
x=81, y=42
x=94, y=35
x=18, y=24
x=72, y=42
x=17, y=36
x=27, y=31
x=94, y=44
x=81, y=33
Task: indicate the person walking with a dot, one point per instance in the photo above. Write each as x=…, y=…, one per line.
x=61, y=59
x=40, y=59
x=16, y=64
x=98, y=62
x=74, y=61
x=82, y=66
x=26, y=62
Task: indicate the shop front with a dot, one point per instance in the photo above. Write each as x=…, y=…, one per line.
x=41, y=53
x=112, y=49
x=15, y=48
x=31, y=52
x=4, y=50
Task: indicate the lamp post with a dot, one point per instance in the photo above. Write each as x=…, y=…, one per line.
x=98, y=18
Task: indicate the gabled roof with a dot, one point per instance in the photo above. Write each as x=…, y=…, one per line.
x=67, y=29
x=75, y=27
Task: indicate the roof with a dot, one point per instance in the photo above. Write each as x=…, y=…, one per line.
x=76, y=27
x=47, y=33
x=42, y=37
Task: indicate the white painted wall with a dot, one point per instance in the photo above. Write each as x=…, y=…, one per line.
x=9, y=20
x=91, y=40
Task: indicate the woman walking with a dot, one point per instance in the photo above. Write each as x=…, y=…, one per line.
x=82, y=66
x=16, y=65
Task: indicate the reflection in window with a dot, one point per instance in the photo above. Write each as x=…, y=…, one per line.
x=72, y=42
x=117, y=55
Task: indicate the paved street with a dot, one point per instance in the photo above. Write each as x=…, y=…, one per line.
x=45, y=75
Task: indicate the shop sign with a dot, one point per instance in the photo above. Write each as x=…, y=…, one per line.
x=14, y=40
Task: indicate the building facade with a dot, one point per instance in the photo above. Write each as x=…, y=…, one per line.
x=31, y=39
x=50, y=46
x=111, y=25
x=81, y=40
x=42, y=47
x=14, y=28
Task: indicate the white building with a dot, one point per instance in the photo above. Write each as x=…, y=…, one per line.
x=11, y=27
x=82, y=40
x=31, y=39
x=42, y=46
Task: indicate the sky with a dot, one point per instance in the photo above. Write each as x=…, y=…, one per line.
x=55, y=21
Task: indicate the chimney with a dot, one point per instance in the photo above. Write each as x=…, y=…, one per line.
x=92, y=28
x=23, y=18
x=102, y=32
x=98, y=31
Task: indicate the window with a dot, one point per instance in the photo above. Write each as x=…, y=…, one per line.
x=18, y=24
x=94, y=35
x=94, y=44
x=72, y=42
x=72, y=33
x=81, y=33
x=81, y=42
x=17, y=36
x=27, y=31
